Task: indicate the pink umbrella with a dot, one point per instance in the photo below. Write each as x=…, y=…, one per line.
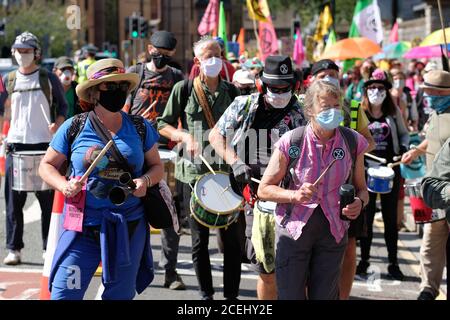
x=423, y=52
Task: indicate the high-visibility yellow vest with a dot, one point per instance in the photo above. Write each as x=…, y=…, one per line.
x=354, y=106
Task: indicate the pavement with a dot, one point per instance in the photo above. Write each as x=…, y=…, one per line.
x=23, y=282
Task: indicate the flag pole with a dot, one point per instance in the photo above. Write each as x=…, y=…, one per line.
x=256, y=35
x=443, y=26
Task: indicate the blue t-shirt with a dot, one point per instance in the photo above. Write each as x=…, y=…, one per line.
x=105, y=176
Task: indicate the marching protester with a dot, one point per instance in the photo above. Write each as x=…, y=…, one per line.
x=269, y=113
x=227, y=71
x=432, y=251
x=356, y=119
x=117, y=236
x=156, y=81
x=88, y=52
x=391, y=137
x=355, y=90
x=403, y=99
x=64, y=70
x=244, y=81
x=311, y=233
x=35, y=107
x=198, y=111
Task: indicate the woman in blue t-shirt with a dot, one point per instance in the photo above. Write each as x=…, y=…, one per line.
x=116, y=235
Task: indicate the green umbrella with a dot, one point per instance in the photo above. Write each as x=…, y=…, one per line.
x=395, y=50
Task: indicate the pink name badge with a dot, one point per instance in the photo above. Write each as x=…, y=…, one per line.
x=75, y=211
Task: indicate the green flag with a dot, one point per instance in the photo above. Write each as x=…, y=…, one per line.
x=222, y=32
x=366, y=22
x=331, y=39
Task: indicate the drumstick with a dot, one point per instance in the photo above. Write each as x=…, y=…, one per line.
x=45, y=115
x=207, y=164
x=391, y=165
x=382, y=160
x=96, y=161
x=255, y=180
x=324, y=172
x=149, y=108
x=396, y=158
x=421, y=150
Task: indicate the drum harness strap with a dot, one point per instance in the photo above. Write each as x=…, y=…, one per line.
x=296, y=141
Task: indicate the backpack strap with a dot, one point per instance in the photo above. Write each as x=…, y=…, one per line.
x=46, y=87
x=352, y=145
x=186, y=91
x=295, y=149
x=139, y=124
x=76, y=126
x=11, y=82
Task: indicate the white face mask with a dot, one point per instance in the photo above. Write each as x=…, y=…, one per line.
x=211, y=67
x=278, y=100
x=376, y=97
x=24, y=59
x=399, y=83
x=66, y=78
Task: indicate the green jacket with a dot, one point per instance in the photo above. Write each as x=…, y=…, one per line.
x=194, y=121
x=436, y=184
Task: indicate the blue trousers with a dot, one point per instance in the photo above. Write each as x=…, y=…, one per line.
x=80, y=261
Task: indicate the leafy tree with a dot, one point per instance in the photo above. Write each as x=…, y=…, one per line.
x=307, y=9
x=46, y=21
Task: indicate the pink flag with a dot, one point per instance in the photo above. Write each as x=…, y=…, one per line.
x=267, y=39
x=210, y=18
x=299, y=54
x=393, y=36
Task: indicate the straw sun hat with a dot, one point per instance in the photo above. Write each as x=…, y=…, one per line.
x=105, y=70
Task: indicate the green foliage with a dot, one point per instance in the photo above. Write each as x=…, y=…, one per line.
x=307, y=9
x=39, y=19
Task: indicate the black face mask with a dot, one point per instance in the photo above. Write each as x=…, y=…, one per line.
x=113, y=100
x=160, y=60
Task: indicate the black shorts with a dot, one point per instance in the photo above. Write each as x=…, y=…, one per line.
x=249, y=249
x=358, y=227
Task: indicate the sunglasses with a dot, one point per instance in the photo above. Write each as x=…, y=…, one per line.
x=279, y=90
x=113, y=86
x=381, y=88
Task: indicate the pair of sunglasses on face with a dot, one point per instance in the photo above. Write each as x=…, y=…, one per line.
x=113, y=86
x=279, y=90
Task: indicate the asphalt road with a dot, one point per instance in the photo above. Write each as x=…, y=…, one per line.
x=23, y=281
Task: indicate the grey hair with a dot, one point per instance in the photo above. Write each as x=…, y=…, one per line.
x=317, y=88
x=204, y=42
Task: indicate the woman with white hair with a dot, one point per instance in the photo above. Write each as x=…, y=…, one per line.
x=311, y=230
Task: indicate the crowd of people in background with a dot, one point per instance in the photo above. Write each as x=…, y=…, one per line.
x=293, y=227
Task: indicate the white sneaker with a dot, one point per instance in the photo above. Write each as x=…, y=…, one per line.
x=13, y=258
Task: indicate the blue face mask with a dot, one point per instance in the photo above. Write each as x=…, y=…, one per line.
x=330, y=119
x=438, y=103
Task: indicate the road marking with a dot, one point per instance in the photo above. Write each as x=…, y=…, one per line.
x=408, y=256
x=19, y=270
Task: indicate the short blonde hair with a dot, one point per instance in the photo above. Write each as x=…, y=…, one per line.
x=316, y=89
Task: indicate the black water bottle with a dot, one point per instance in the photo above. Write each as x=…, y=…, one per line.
x=347, y=196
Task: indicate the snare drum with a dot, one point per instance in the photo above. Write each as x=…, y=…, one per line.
x=421, y=212
x=380, y=179
x=25, y=175
x=213, y=203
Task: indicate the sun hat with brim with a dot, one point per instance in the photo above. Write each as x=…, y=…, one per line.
x=379, y=76
x=278, y=71
x=105, y=70
x=436, y=79
x=244, y=77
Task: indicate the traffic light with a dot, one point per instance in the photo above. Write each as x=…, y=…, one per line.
x=144, y=27
x=135, y=27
